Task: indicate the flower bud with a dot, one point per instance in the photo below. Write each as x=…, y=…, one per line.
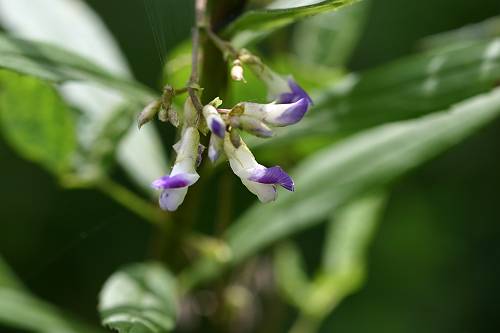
x=214, y=121
x=215, y=147
x=148, y=113
x=234, y=137
x=167, y=97
x=254, y=126
x=163, y=115
x=237, y=71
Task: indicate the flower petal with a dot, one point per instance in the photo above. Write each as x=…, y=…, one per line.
x=295, y=94
x=293, y=114
x=215, y=147
x=217, y=127
x=171, y=199
x=214, y=121
x=275, y=175
x=178, y=181
x=265, y=192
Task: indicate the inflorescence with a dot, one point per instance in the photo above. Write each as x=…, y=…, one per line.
x=289, y=103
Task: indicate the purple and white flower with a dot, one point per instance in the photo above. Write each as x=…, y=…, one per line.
x=277, y=114
x=282, y=90
x=259, y=180
x=174, y=186
x=214, y=120
x=215, y=147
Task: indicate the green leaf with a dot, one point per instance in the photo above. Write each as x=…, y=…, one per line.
x=140, y=153
x=7, y=277
x=470, y=33
x=20, y=309
x=290, y=273
x=350, y=231
x=36, y=122
x=336, y=175
x=55, y=64
x=254, y=23
x=139, y=298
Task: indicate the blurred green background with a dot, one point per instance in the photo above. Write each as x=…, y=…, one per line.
x=434, y=263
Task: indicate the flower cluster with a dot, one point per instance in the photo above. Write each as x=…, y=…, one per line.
x=289, y=105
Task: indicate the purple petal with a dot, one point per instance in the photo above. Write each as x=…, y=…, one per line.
x=274, y=175
x=168, y=182
x=295, y=113
x=217, y=128
x=296, y=93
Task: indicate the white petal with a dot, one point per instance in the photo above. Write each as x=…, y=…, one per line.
x=171, y=199
x=265, y=193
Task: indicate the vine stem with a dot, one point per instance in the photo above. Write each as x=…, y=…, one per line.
x=225, y=47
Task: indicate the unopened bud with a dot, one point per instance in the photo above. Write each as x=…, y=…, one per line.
x=237, y=71
x=169, y=115
x=215, y=148
x=163, y=115
x=238, y=109
x=148, y=113
x=173, y=117
x=167, y=97
x=214, y=121
x=254, y=126
x=234, y=136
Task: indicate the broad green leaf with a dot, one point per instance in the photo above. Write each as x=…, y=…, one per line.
x=404, y=89
x=20, y=309
x=350, y=231
x=338, y=174
x=139, y=298
x=53, y=63
x=256, y=22
x=36, y=122
x=46, y=20
x=290, y=274
x=7, y=277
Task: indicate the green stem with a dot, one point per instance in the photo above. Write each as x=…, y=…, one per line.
x=133, y=202
x=305, y=324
